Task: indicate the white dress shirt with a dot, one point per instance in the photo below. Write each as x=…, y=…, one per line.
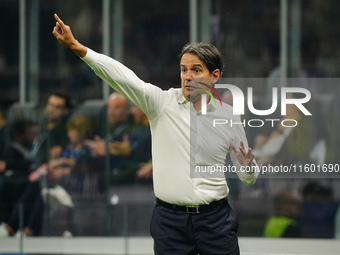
x=182, y=139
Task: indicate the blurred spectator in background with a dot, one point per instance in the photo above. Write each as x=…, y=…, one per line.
x=287, y=208
x=81, y=173
x=63, y=172
x=316, y=192
x=53, y=135
x=17, y=166
x=318, y=211
x=79, y=128
x=294, y=144
x=136, y=148
x=29, y=211
x=62, y=161
x=120, y=124
x=118, y=117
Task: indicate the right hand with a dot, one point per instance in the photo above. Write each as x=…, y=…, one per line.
x=64, y=35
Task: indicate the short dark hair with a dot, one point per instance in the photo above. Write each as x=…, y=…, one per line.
x=208, y=53
x=63, y=94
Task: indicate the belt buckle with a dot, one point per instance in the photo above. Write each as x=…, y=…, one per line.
x=195, y=207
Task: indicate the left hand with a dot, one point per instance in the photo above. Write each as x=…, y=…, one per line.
x=245, y=158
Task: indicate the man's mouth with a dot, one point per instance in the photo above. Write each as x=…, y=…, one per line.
x=190, y=86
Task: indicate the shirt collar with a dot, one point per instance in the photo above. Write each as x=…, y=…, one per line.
x=211, y=106
x=181, y=100
x=179, y=95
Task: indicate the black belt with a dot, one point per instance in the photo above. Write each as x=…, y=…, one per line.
x=190, y=208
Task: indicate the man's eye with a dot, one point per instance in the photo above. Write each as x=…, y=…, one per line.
x=197, y=70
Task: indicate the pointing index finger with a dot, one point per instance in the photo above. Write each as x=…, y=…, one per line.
x=61, y=23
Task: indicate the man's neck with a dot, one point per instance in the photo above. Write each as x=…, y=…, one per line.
x=198, y=105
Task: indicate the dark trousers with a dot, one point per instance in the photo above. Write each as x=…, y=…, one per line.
x=11, y=189
x=210, y=232
x=33, y=209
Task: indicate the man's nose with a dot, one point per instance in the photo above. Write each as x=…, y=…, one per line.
x=187, y=76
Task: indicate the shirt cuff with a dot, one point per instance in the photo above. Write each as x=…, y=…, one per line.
x=90, y=57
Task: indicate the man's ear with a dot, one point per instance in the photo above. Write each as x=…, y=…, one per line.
x=216, y=75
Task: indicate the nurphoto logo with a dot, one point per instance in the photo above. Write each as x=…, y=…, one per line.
x=239, y=103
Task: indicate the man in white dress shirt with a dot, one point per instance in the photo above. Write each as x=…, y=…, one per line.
x=191, y=215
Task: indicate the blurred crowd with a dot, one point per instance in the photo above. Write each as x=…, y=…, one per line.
x=70, y=155
x=56, y=156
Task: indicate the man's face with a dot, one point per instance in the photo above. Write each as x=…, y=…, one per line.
x=30, y=135
x=55, y=108
x=193, y=71
x=117, y=110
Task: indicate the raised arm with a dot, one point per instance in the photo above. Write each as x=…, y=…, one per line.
x=149, y=98
x=64, y=35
